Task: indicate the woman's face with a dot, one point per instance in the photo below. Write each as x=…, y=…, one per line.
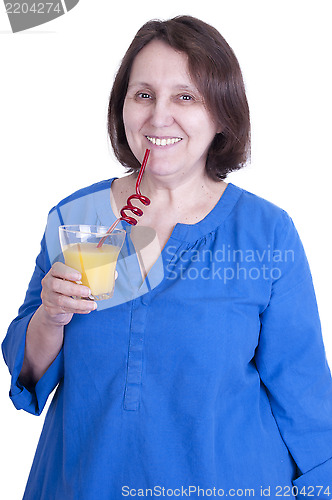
x=165, y=112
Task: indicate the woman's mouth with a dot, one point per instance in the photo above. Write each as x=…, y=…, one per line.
x=163, y=141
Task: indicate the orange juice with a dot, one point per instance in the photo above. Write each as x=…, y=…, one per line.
x=96, y=265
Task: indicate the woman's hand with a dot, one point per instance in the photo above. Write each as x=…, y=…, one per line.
x=58, y=290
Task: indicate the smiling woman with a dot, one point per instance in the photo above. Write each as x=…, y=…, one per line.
x=208, y=75
x=176, y=124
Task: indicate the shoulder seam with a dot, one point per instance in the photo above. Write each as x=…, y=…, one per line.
x=94, y=188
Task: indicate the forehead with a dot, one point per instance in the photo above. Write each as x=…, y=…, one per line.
x=158, y=62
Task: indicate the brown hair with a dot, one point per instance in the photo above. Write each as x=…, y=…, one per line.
x=216, y=72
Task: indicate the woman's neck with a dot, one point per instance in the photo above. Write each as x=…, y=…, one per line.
x=187, y=200
x=180, y=192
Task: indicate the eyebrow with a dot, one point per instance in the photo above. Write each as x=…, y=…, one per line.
x=178, y=87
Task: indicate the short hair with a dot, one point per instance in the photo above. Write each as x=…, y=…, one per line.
x=214, y=69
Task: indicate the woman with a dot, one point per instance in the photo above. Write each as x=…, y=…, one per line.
x=208, y=378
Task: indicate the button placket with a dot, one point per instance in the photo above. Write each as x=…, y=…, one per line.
x=136, y=340
x=135, y=355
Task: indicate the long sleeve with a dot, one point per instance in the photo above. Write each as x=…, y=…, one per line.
x=80, y=206
x=292, y=365
x=31, y=400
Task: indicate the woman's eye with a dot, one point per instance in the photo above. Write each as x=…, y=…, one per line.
x=186, y=97
x=143, y=95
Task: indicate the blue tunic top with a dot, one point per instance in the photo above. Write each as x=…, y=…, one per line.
x=208, y=379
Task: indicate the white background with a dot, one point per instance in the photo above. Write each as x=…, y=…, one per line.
x=54, y=88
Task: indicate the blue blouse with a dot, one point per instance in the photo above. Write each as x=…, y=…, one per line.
x=208, y=379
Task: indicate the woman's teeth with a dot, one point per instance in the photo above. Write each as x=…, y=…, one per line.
x=163, y=142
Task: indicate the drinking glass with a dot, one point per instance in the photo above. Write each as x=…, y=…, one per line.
x=96, y=265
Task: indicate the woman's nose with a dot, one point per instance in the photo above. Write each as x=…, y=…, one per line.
x=161, y=114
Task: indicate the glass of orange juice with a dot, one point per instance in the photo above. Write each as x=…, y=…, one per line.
x=96, y=265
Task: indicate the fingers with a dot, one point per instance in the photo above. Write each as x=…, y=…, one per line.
x=63, y=287
x=61, y=295
x=64, y=304
x=60, y=270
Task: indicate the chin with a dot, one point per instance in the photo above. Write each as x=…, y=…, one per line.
x=161, y=169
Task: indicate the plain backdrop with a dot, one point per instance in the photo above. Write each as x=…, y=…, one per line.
x=54, y=89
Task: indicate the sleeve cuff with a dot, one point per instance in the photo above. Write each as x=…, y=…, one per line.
x=34, y=401
x=31, y=400
x=316, y=483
